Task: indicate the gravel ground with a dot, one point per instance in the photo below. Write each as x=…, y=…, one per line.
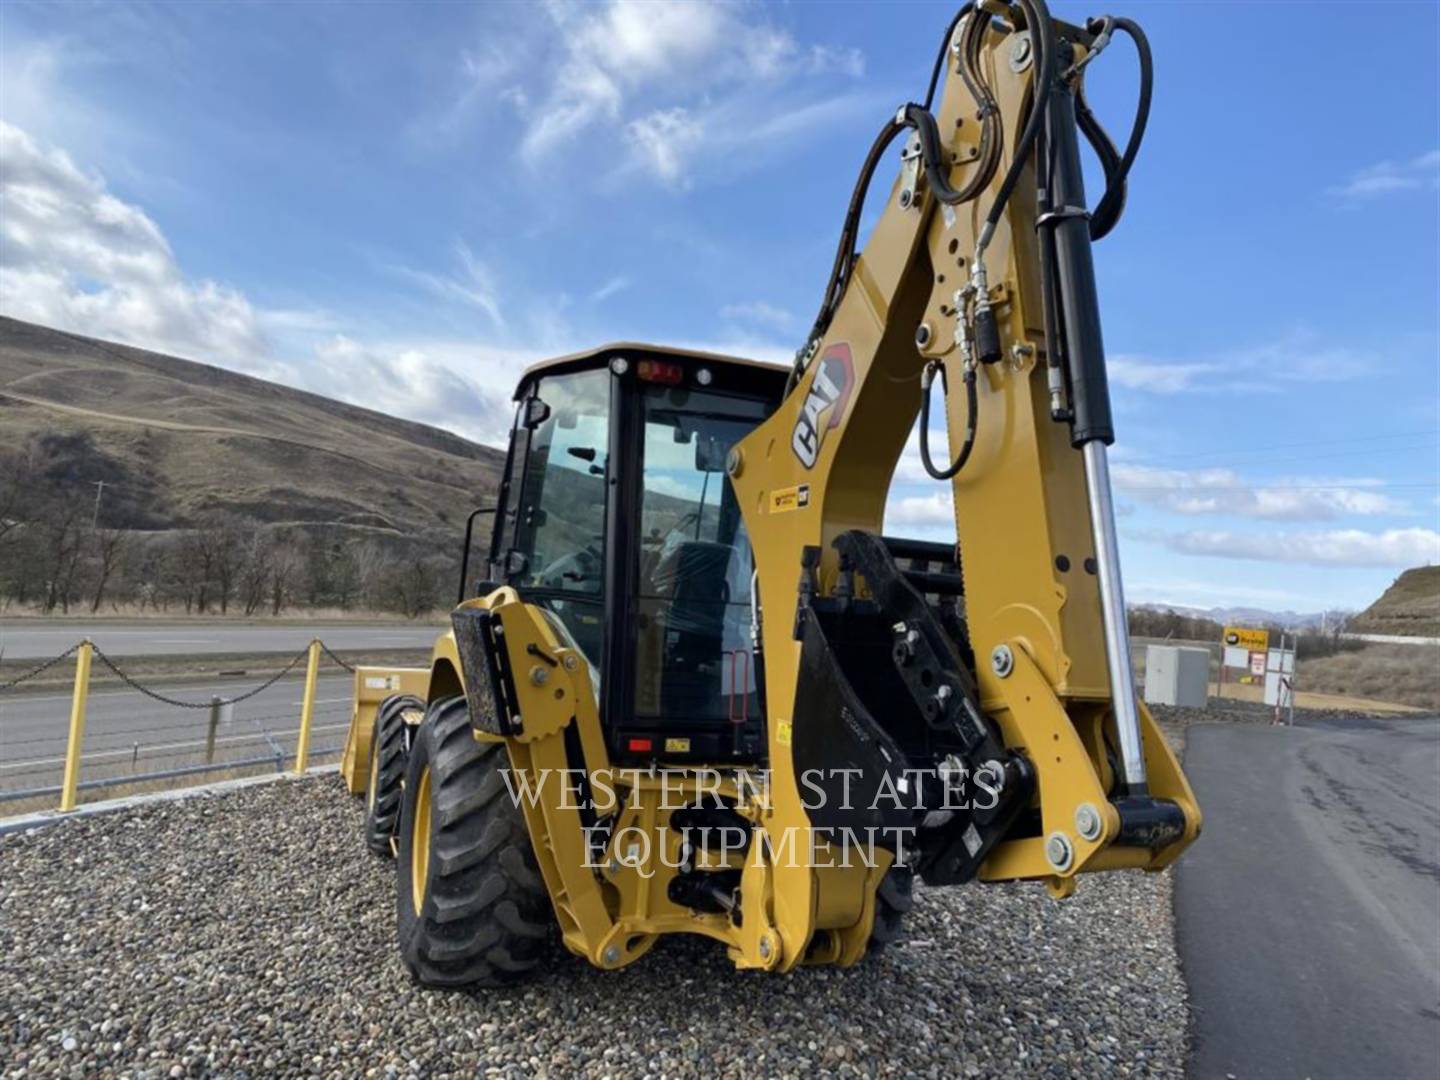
x=251, y=934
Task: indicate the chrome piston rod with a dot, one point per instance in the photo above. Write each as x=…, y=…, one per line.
x=1113, y=616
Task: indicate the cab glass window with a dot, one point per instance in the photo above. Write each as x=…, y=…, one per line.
x=558, y=557
x=693, y=650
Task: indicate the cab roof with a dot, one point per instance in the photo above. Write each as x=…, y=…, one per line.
x=631, y=349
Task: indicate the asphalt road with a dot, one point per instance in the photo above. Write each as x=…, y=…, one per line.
x=1308, y=914
x=35, y=639
x=126, y=732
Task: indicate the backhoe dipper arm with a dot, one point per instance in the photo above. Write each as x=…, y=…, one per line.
x=977, y=274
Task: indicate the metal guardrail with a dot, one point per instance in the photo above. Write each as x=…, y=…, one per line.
x=158, y=775
x=220, y=712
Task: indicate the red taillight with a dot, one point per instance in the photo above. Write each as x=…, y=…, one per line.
x=640, y=745
x=661, y=371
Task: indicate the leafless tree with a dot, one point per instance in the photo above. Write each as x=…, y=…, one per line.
x=253, y=573
x=209, y=559
x=17, y=483
x=416, y=587
x=287, y=560
x=107, y=545
x=61, y=533
x=374, y=567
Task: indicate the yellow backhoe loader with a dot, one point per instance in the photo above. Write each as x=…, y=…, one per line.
x=695, y=688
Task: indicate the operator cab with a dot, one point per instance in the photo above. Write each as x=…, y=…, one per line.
x=616, y=515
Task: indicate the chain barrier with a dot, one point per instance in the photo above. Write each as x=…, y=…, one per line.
x=129, y=681
x=71, y=784
x=46, y=666
x=328, y=652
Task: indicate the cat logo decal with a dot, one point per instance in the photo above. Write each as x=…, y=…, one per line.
x=825, y=402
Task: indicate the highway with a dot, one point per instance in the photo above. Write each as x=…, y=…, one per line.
x=36, y=639
x=1308, y=913
x=127, y=732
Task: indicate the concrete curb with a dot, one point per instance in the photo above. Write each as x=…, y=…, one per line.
x=42, y=818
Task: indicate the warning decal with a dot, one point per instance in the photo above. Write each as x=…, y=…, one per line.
x=783, y=500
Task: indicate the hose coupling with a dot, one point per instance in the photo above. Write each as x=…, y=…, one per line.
x=1103, y=28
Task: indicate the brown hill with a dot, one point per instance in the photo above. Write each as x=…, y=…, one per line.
x=176, y=440
x=1410, y=607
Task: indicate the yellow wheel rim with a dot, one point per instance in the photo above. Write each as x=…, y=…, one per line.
x=374, y=776
x=420, y=841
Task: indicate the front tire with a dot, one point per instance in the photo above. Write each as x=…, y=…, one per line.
x=389, y=749
x=472, y=906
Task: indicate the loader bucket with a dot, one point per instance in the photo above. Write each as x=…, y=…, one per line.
x=372, y=686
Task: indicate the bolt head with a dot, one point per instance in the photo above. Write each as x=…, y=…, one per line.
x=1002, y=660
x=1019, y=53
x=905, y=198
x=765, y=948
x=1088, y=822
x=612, y=954
x=539, y=675
x=1058, y=851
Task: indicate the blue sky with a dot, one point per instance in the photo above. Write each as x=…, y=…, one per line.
x=402, y=204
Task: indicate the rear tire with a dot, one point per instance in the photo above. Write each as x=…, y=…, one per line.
x=472, y=906
x=389, y=748
x=894, y=898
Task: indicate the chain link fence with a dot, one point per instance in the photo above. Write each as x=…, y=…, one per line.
x=56, y=748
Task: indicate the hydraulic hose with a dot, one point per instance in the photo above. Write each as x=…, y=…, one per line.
x=845, y=251
x=921, y=119
x=1056, y=366
x=965, y=9
x=1037, y=20
x=972, y=402
x=1112, y=204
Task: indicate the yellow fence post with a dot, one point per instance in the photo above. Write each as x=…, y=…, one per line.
x=307, y=710
x=77, y=727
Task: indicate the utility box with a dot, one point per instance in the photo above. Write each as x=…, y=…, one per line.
x=1177, y=675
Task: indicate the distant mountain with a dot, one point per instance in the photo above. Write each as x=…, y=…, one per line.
x=175, y=441
x=1410, y=607
x=1251, y=616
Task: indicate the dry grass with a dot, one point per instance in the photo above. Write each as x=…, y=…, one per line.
x=1411, y=606
x=177, y=439
x=1405, y=674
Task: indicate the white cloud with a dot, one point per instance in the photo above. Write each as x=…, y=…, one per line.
x=610, y=288
x=1336, y=547
x=614, y=50
x=1223, y=491
x=474, y=285
x=1156, y=376
x=937, y=508
x=845, y=60
x=1299, y=356
x=666, y=79
x=664, y=140
x=1387, y=177
x=76, y=257
x=462, y=386
x=758, y=312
